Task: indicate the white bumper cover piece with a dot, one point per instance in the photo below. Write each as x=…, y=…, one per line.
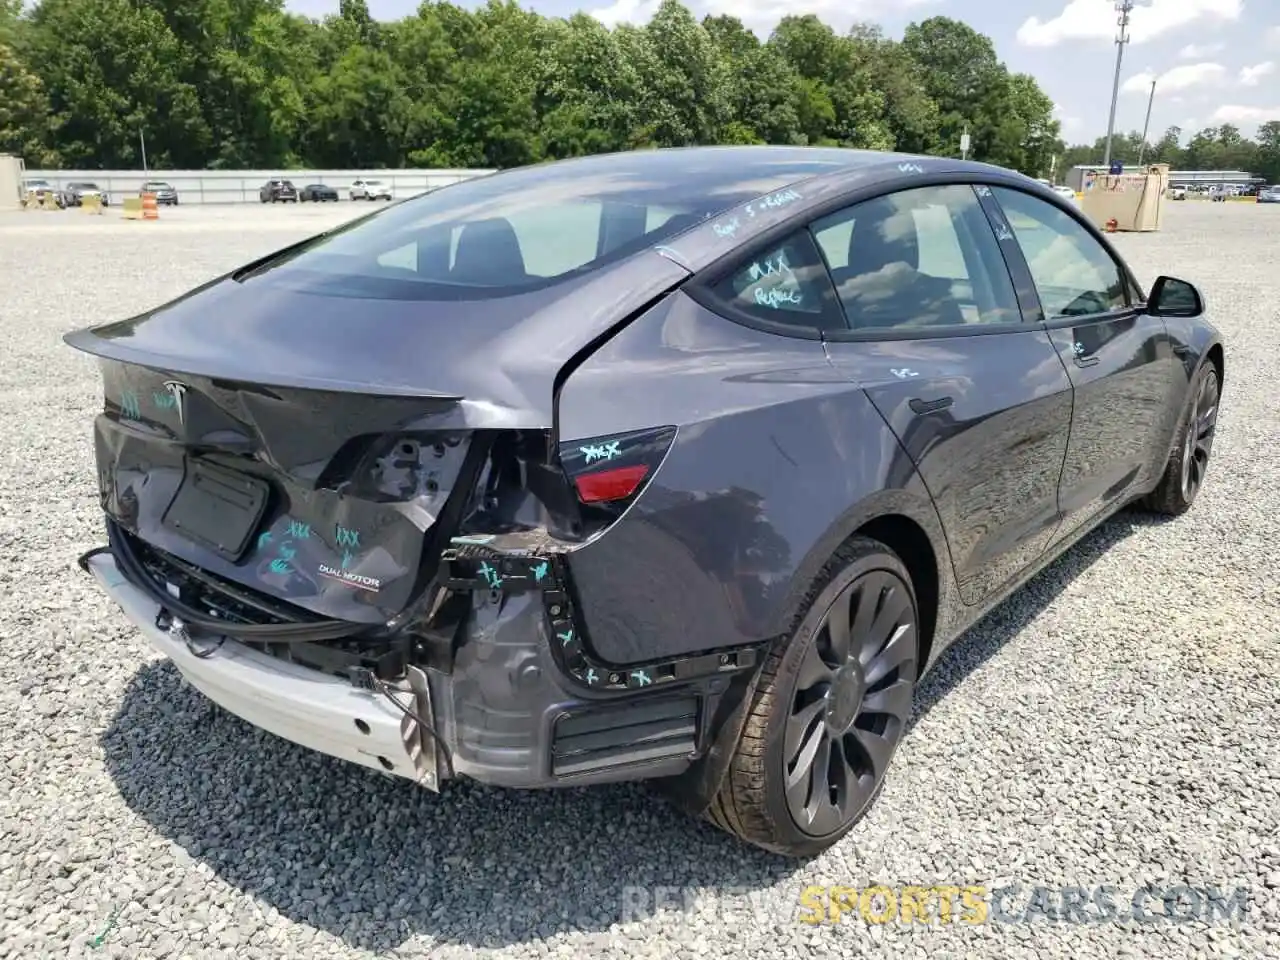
x=299, y=704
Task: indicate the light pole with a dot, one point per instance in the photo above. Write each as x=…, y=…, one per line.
x=1124, y=8
x=142, y=139
x=1146, y=124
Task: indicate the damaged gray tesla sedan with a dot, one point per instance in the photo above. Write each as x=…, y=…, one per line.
x=671, y=465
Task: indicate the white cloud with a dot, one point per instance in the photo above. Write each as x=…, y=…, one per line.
x=626, y=11
x=1068, y=121
x=1239, y=114
x=1096, y=20
x=1252, y=76
x=1193, y=51
x=1183, y=77
x=758, y=15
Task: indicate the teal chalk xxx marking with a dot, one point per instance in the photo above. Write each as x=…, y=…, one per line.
x=641, y=678
x=130, y=406
x=539, y=572
x=601, y=451
x=264, y=538
x=491, y=576
x=565, y=638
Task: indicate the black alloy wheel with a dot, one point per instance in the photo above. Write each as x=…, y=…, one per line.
x=1199, y=440
x=830, y=708
x=1184, y=474
x=853, y=696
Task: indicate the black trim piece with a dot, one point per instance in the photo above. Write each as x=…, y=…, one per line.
x=605, y=737
x=926, y=333
x=486, y=567
x=1084, y=320
x=1015, y=261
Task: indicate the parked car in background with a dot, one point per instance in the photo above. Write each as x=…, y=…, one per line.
x=1063, y=190
x=278, y=190
x=318, y=192
x=1269, y=194
x=166, y=195
x=370, y=190
x=42, y=189
x=74, y=194
x=1177, y=193
x=703, y=503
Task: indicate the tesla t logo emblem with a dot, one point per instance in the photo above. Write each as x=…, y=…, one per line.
x=178, y=391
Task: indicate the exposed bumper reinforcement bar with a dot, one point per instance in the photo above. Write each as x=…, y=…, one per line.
x=323, y=713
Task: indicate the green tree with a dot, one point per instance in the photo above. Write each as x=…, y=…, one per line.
x=112, y=70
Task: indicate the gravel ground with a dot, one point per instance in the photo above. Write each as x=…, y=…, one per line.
x=1115, y=723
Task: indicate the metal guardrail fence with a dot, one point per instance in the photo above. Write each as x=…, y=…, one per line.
x=241, y=186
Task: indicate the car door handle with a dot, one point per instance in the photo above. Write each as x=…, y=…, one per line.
x=929, y=406
x=1086, y=361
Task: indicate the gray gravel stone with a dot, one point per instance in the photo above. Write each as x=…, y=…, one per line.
x=1116, y=722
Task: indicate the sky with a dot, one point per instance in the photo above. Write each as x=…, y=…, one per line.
x=1214, y=61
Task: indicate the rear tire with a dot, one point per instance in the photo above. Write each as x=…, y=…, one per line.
x=1184, y=474
x=829, y=711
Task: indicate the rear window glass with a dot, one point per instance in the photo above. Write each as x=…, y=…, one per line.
x=508, y=233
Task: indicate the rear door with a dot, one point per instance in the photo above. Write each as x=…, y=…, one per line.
x=1127, y=378
x=978, y=397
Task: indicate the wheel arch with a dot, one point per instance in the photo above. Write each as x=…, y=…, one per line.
x=1217, y=356
x=906, y=523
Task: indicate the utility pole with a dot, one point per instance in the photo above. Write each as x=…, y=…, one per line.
x=1124, y=8
x=142, y=139
x=1146, y=124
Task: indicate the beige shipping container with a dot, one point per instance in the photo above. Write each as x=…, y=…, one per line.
x=11, y=169
x=1135, y=201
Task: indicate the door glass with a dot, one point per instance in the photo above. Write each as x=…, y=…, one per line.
x=787, y=283
x=1073, y=273
x=918, y=258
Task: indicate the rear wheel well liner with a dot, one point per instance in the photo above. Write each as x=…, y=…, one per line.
x=1217, y=356
x=911, y=543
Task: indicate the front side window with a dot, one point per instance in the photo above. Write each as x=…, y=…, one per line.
x=918, y=258
x=787, y=283
x=1073, y=273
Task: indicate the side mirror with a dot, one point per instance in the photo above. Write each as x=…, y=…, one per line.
x=1171, y=297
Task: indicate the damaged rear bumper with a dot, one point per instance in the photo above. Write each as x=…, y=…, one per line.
x=516, y=707
x=323, y=713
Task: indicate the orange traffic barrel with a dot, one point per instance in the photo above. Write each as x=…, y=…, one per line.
x=149, y=209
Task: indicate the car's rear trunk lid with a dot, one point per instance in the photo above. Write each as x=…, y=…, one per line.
x=307, y=446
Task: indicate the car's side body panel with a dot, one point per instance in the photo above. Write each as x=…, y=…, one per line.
x=986, y=420
x=779, y=457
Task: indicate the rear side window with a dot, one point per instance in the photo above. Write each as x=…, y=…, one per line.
x=918, y=258
x=787, y=283
x=1073, y=273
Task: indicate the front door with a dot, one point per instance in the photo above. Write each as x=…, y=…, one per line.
x=978, y=398
x=1120, y=359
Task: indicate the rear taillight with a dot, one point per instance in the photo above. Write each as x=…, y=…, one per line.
x=606, y=486
x=609, y=472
